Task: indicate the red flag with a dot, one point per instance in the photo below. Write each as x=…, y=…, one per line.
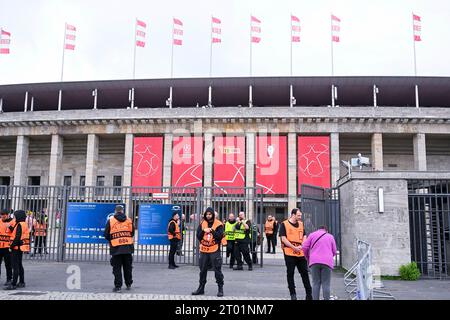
x=216, y=30
x=178, y=42
x=70, y=27
x=417, y=27
x=295, y=29
x=216, y=20
x=141, y=28
x=69, y=47
x=6, y=33
x=141, y=23
x=5, y=41
x=335, y=28
x=255, y=30
x=177, y=21
x=254, y=19
x=177, y=32
x=334, y=18
x=69, y=36
x=294, y=18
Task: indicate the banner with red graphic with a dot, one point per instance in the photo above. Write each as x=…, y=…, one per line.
x=313, y=164
x=271, y=164
x=229, y=163
x=187, y=163
x=147, y=161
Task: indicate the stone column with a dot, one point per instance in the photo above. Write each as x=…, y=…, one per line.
x=128, y=173
x=167, y=164
x=91, y=165
x=334, y=153
x=208, y=160
x=21, y=164
x=420, y=152
x=56, y=158
x=377, y=152
x=250, y=173
x=292, y=171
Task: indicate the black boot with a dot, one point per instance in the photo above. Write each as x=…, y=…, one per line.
x=220, y=291
x=200, y=290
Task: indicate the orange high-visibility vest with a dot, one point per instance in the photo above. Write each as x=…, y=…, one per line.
x=294, y=236
x=208, y=243
x=224, y=240
x=5, y=234
x=121, y=232
x=24, y=239
x=40, y=229
x=177, y=231
x=268, y=227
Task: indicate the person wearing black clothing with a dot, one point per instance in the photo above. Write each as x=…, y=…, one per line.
x=243, y=228
x=119, y=231
x=292, y=235
x=174, y=234
x=19, y=245
x=5, y=254
x=183, y=234
x=210, y=233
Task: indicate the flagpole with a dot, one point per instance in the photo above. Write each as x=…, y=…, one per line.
x=63, y=51
x=211, y=48
x=291, y=42
x=171, y=59
x=251, y=45
x=414, y=46
x=134, y=50
x=332, y=53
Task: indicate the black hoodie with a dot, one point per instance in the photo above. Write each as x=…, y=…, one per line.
x=20, y=216
x=126, y=249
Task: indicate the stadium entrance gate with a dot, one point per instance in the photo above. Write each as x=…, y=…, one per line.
x=320, y=206
x=50, y=204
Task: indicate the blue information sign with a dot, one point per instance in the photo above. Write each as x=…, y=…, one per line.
x=86, y=221
x=153, y=222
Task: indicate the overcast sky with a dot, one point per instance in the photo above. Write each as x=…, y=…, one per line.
x=376, y=38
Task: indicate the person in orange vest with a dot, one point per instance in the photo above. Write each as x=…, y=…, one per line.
x=20, y=243
x=5, y=239
x=119, y=231
x=270, y=229
x=39, y=232
x=210, y=234
x=174, y=235
x=292, y=234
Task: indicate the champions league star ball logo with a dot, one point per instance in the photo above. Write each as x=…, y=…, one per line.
x=186, y=151
x=270, y=151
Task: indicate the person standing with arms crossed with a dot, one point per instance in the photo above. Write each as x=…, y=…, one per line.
x=174, y=235
x=270, y=231
x=242, y=236
x=210, y=234
x=292, y=234
x=230, y=238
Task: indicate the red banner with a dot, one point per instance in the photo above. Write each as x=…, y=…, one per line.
x=313, y=164
x=229, y=163
x=187, y=163
x=271, y=164
x=147, y=161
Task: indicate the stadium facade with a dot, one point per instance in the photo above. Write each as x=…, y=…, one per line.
x=127, y=133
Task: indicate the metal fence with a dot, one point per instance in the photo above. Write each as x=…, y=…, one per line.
x=50, y=203
x=429, y=215
x=320, y=206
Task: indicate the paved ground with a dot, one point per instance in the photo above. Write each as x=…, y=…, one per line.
x=48, y=280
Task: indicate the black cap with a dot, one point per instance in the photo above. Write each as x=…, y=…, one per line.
x=4, y=211
x=20, y=215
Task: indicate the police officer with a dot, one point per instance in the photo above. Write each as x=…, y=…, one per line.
x=119, y=231
x=20, y=243
x=242, y=236
x=210, y=234
x=174, y=235
x=292, y=234
x=230, y=225
x=5, y=240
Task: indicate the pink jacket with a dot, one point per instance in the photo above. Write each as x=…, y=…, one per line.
x=323, y=250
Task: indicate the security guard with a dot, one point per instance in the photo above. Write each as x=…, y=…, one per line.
x=119, y=231
x=210, y=234
x=292, y=235
x=20, y=243
x=230, y=239
x=174, y=235
x=270, y=230
x=5, y=239
x=183, y=232
x=243, y=239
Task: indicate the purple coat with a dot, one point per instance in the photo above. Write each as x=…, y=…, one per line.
x=323, y=251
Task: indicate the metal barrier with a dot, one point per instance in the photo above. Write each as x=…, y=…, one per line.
x=50, y=204
x=360, y=281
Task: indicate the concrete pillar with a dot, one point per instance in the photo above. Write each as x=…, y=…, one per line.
x=420, y=152
x=334, y=153
x=167, y=164
x=56, y=158
x=292, y=171
x=250, y=173
x=208, y=160
x=128, y=160
x=377, y=152
x=91, y=160
x=21, y=164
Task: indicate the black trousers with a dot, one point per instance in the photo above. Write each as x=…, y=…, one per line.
x=172, y=251
x=213, y=259
x=39, y=243
x=242, y=247
x=271, y=242
x=180, y=246
x=253, y=247
x=118, y=262
x=5, y=254
x=18, y=272
x=230, y=251
x=302, y=266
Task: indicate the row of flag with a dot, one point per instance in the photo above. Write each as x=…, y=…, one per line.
x=216, y=32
